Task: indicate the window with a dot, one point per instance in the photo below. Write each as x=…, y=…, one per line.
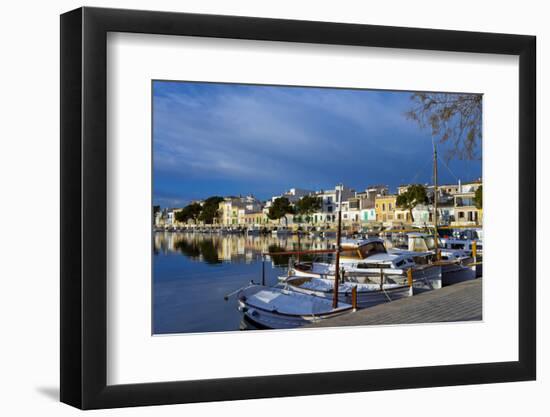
x=350, y=253
x=389, y=206
x=372, y=248
x=373, y=266
x=383, y=206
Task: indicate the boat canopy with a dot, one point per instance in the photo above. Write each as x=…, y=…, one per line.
x=361, y=248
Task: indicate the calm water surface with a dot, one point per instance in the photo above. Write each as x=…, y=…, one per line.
x=193, y=272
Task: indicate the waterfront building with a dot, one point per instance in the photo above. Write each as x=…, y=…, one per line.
x=385, y=208
x=329, y=203
x=368, y=213
x=351, y=213
x=465, y=211
x=423, y=214
x=171, y=217
x=159, y=218
x=293, y=195
x=470, y=187
x=449, y=189
x=233, y=209
x=365, y=201
x=254, y=218
x=330, y=198
x=403, y=216
x=445, y=211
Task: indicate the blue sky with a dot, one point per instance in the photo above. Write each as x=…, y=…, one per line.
x=230, y=139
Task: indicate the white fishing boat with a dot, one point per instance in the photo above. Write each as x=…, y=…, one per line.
x=283, y=308
x=365, y=261
x=368, y=294
x=466, y=245
x=456, y=264
x=280, y=308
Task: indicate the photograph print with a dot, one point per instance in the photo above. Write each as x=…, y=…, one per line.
x=301, y=207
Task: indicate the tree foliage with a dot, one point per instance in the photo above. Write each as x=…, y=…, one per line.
x=189, y=212
x=478, y=197
x=280, y=208
x=205, y=250
x=210, y=209
x=409, y=199
x=453, y=118
x=308, y=205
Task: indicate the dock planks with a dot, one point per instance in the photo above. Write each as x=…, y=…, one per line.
x=458, y=302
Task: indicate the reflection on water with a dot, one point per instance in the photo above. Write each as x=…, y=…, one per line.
x=193, y=272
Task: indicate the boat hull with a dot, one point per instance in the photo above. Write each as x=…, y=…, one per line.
x=455, y=272
x=267, y=314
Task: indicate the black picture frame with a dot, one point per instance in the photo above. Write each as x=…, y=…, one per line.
x=84, y=207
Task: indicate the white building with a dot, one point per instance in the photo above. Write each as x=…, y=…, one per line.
x=293, y=195
x=329, y=203
x=233, y=209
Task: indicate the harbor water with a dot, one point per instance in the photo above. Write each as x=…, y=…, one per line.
x=192, y=272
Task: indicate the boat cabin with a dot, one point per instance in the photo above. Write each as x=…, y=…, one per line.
x=371, y=253
x=361, y=248
x=425, y=243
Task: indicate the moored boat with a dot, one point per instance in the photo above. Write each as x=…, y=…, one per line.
x=367, y=260
x=280, y=308
x=456, y=264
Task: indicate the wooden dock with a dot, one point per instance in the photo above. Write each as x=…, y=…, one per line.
x=458, y=302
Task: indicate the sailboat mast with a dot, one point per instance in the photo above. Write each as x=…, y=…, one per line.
x=338, y=241
x=436, y=235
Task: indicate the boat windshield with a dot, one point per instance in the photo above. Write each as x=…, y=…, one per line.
x=421, y=243
x=430, y=242
x=372, y=248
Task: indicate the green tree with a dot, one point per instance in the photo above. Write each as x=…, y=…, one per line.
x=210, y=209
x=189, y=212
x=414, y=195
x=478, y=197
x=452, y=118
x=280, y=208
x=181, y=216
x=308, y=205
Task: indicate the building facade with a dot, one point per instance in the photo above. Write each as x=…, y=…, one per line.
x=385, y=208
